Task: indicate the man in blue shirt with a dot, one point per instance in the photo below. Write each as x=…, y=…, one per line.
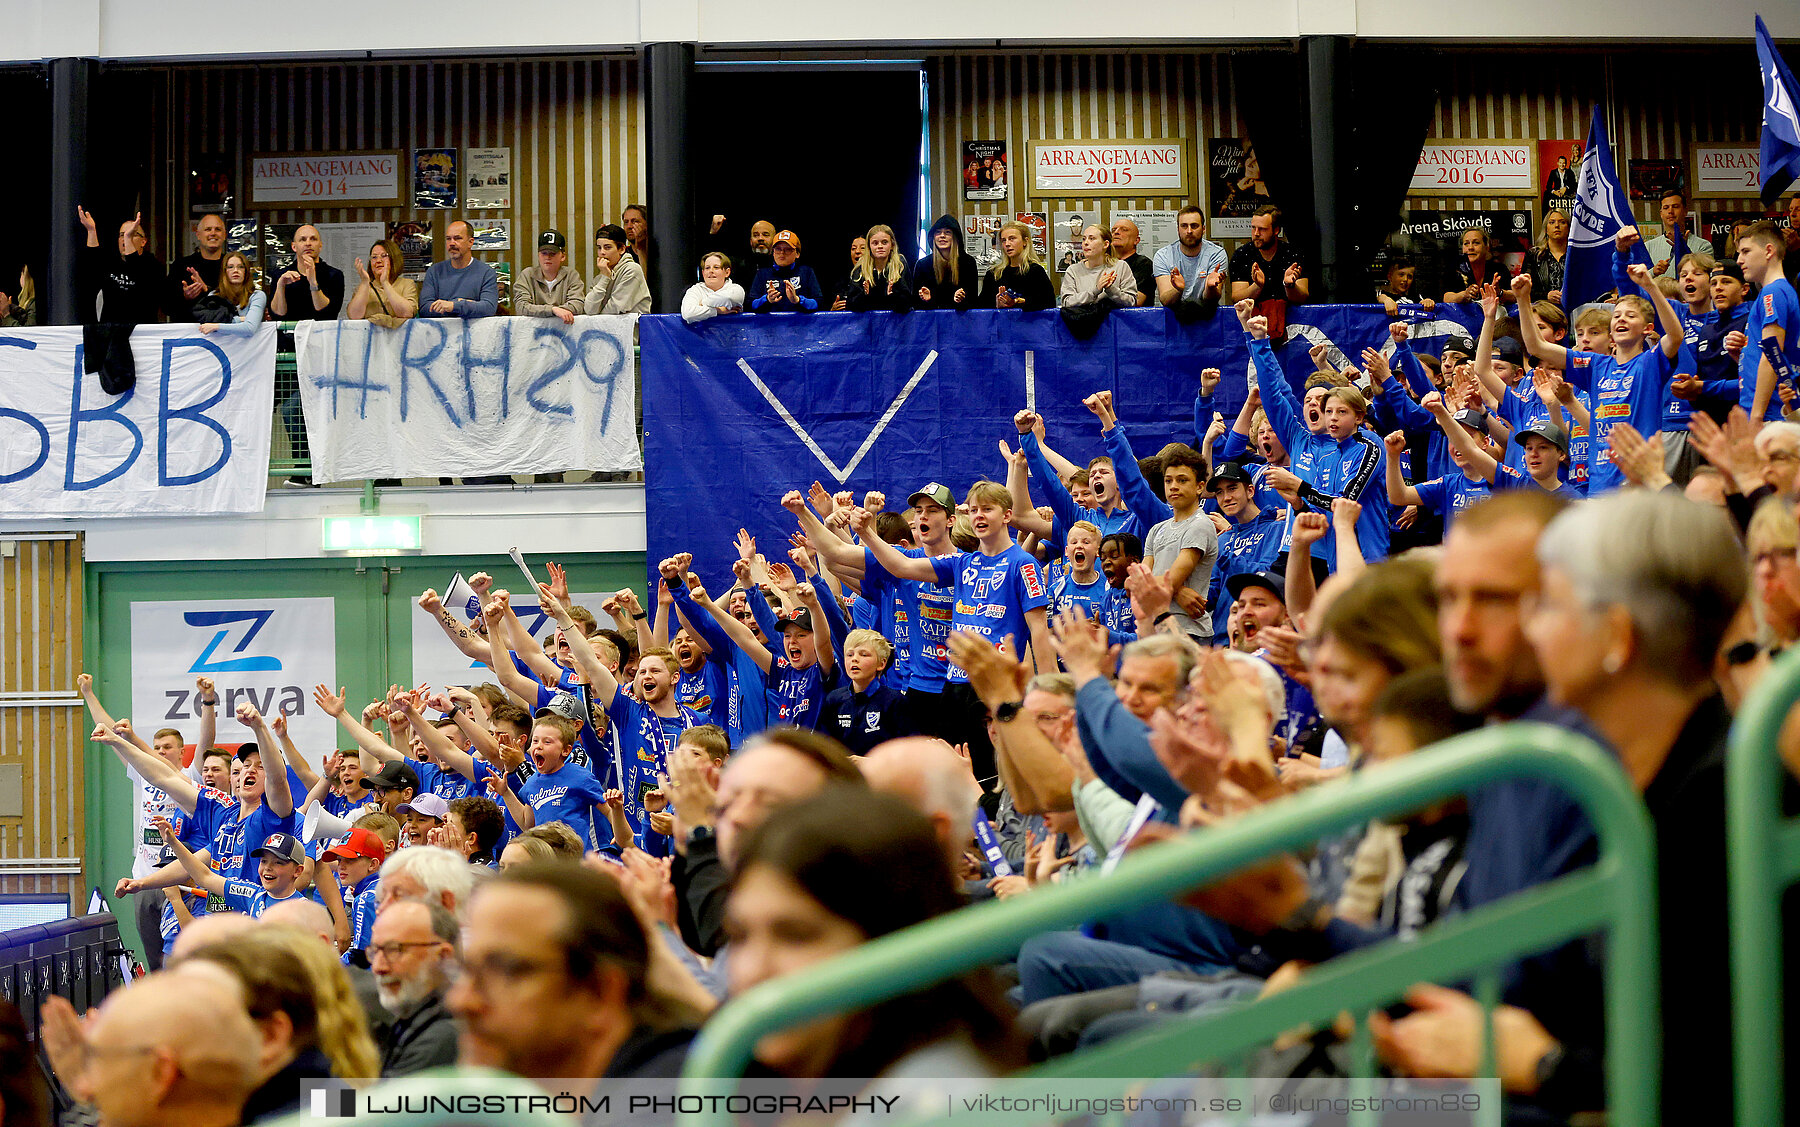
x=1626, y=386
x=1773, y=354
x=459, y=286
x=1191, y=271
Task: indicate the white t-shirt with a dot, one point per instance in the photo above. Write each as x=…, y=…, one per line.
x=148, y=851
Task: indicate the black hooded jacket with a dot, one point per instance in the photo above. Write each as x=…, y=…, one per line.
x=941, y=293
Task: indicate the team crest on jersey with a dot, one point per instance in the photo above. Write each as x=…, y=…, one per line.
x=872, y=719
x=1033, y=585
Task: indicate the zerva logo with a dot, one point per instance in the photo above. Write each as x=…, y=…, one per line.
x=225, y=620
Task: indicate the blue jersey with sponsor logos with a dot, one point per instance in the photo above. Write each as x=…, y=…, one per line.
x=1065, y=592
x=570, y=795
x=746, y=701
x=1448, y=496
x=433, y=779
x=229, y=835
x=1116, y=612
x=252, y=899
x=706, y=692
x=1631, y=392
x=992, y=595
x=928, y=610
x=1250, y=546
x=1775, y=305
x=797, y=696
x=645, y=740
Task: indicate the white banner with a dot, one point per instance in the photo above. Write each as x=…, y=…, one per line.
x=270, y=652
x=438, y=663
x=192, y=436
x=1453, y=167
x=499, y=395
x=1109, y=168
x=1725, y=171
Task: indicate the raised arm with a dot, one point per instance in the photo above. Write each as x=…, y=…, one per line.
x=1399, y=493
x=1054, y=491
x=153, y=769
x=889, y=557
x=1140, y=498
x=1479, y=460
x=1278, y=400
x=291, y=754
x=1484, y=348
x=1299, y=587
x=1550, y=353
x=1350, y=560
x=494, y=612
x=523, y=815
x=599, y=678
x=276, y=794
x=333, y=706
x=822, y=632
x=206, y=702
x=1025, y=517
x=466, y=641
x=439, y=744
x=530, y=652
x=1666, y=315
x=198, y=872
x=844, y=557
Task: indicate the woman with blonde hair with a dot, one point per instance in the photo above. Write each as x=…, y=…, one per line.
x=384, y=298
x=1097, y=278
x=1018, y=280
x=878, y=280
x=1774, y=575
x=238, y=289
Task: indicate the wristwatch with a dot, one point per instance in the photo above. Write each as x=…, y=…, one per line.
x=1008, y=712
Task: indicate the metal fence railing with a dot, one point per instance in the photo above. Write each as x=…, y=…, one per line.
x=1616, y=895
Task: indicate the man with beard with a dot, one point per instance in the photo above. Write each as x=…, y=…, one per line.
x=1190, y=272
x=1267, y=271
x=412, y=955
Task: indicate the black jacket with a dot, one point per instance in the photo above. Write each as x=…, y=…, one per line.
x=1031, y=285
x=941, y=294
x=130, y=288
x=702, y=885
x=424, y=1039
x=175, y=303
x=878, y=295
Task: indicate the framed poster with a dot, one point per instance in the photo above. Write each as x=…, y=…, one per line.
x=1122, y=167
x=1559, y=166
x=434, y=178
x=416, y=249
x=491, y=234
x=1039, y=224
x=488, y=179
x=1454, y=166
x=981, y=238
x=341, y=179
x=1649, y=179
x=1721, y=171
x=1156, y=228
x=1236, y=187
x=984, y=170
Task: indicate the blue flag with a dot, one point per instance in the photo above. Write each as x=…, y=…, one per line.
x=1780, y=119
x=1601, y=209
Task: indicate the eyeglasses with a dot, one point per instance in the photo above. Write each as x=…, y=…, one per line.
x=392, y=951
x=507, y=970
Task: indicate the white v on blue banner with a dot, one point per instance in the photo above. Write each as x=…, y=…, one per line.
x=500, y=395
x=192, y=437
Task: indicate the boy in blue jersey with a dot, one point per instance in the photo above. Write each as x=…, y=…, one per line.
x=560, y=791
x=1452, y=493
x=1250, y=544
x=1627, y=386
x=1718, y=345
x=280, y=862
x=1349, y=462
x=1109, y=512
x=1075, y=578
x=701, y=685
x=1118, y=551
x=746, y=700
x=647, y=726
x=358, y=862
x=1772, y=355
x=998, y=594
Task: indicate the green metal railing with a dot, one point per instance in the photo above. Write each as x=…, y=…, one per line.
x=1616, y=895
x=1764, y=859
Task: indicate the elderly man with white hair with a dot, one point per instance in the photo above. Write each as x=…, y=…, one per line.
x=932, y=778
x=429, y=873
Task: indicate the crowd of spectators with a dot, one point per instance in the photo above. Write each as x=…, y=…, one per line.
x=1584, y=518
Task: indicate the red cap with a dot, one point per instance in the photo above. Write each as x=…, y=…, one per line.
x=363, y=843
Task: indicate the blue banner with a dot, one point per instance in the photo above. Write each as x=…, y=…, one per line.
x=738, y=410
x=1601, y=210
x=1780, y=118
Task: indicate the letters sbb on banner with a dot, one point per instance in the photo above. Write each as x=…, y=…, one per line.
x=191, y=438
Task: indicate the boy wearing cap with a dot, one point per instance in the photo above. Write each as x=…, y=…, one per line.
x=1715, y=385
x=998, y=594
x=552, y=288
x=358, y=862
x=1251, y=543
x=423, y=813
x=929, y=609
x=787, y=286
x=1453, y=493
x=1259, y=600
x=1627, y=385
x=619, y=283
x=280, y=861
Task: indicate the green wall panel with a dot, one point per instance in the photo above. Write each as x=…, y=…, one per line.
x=374, y=606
